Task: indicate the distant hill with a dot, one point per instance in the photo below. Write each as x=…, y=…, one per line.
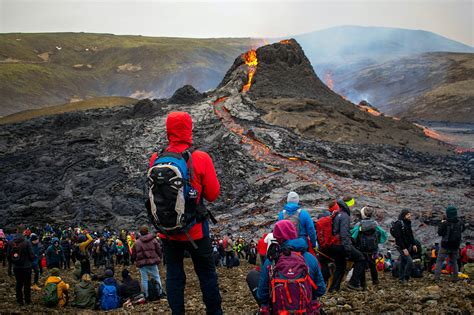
x=345, y=48
x=96, y=102
x=430, y=87
x=55, y=68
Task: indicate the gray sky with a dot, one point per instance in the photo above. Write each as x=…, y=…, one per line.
x=226, y=18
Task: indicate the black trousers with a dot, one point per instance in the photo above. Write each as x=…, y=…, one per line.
x=252, y=279
x=370, y=263
x=203, y=266
x=23, y=284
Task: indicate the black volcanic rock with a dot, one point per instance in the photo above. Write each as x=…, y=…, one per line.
x=185, y=95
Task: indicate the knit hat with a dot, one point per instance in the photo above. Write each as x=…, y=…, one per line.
x=366, y=212
x=293, y=197
x=109, y=273
x=54, y=272
x=33, y=237
x=451, y=212
x=284, y=230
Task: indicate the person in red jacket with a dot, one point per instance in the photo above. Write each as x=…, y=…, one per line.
x=179, y=131
x=262, y=249
x=467, y=253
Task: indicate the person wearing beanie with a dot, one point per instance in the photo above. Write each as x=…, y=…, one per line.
x=450, y=231
x=301, y=219
x=37, y=250
x=62, y=287
x=405, y=243
x=84, y=293
x=367, y=234
x=286, y=235
x=130, y=287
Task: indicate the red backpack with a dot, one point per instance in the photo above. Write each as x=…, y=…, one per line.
x=324, y=232
x=2, y=244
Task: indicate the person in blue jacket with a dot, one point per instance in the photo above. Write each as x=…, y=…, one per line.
x=300, y=217
x=285, y=234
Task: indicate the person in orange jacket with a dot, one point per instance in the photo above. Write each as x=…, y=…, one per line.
x=63, y=287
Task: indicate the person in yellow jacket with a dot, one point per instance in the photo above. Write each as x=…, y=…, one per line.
x=62, y=287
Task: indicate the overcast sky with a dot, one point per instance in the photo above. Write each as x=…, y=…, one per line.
x=225, y=18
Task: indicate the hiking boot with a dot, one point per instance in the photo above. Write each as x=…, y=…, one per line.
x=353, y=287
x=35, y=287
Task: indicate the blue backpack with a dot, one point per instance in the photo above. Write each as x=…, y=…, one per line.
x=172, y=201
x=109, y=299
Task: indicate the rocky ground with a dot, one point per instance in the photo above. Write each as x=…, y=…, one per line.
x=419, y=296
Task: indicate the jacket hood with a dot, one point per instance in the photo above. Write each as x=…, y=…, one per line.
x=85, y=285
x=284, y=230
x=179, y=128
x=298, y=244
x=55, y=239
x=344, y=207
x=110, y=281
x=291, y=207
x=54, y=279
x=453, y=220
x=147, y=238
x=18, y=238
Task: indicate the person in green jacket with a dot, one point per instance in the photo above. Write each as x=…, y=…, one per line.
x=85, y=294
x=368, y=234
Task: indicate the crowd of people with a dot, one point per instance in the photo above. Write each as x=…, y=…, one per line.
x=297, y=262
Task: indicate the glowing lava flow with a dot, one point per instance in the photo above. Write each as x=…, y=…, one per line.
x=251, y=61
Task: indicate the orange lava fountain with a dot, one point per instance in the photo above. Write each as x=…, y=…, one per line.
x=251, y=61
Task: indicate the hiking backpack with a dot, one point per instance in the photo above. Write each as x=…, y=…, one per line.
x=15, y=251
x=2, y=245
x=367, y=240
x=109, y=299
x=153, y=292
x=326, y=238
x=172, y=201
x=394, y=231
x=453, y=238
x=291, y=286
x=294, y=218
x=50, y=295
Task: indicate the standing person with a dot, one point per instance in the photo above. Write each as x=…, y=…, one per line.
x=300, y=217
x=20, y=255
x=405, y=243
x=345, y=251
x=54, y=255
x=82, y=253
x=262, y=248
x=3, y=248
x=147, y=255
x=451, y=232
x=368, y=234
x=37, y=250
x=195, y=240
x=67, y=249
x=229, y=250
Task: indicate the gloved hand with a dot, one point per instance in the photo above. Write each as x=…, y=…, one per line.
x=264, y=310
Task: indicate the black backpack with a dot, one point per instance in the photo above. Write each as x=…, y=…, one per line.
x=153, y=293
x=15, y=251
x=394, y=228
x=454, y=234
x=368, y=241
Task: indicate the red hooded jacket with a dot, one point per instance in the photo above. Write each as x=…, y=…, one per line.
x=179, y=128
x=262, y=246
